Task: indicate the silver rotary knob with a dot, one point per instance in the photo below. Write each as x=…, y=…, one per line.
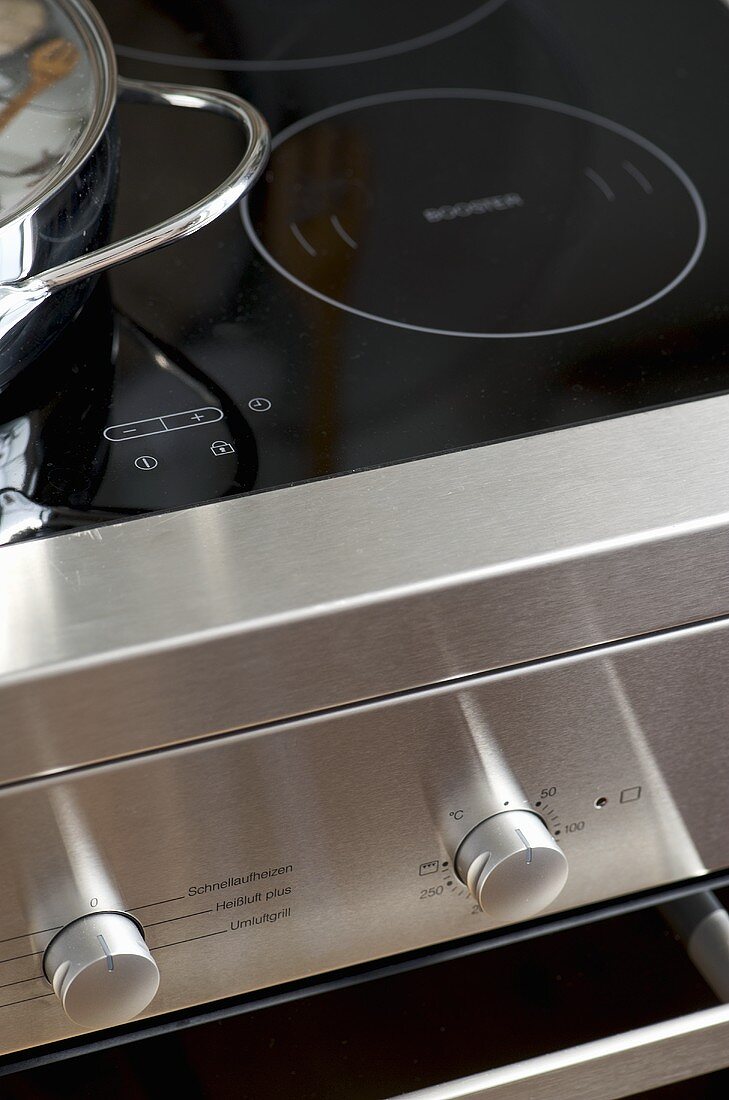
x=101, y=970
x=512, y=865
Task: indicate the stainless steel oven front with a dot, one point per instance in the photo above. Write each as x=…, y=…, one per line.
x=272, y=737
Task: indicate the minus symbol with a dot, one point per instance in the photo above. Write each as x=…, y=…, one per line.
x=129, y=431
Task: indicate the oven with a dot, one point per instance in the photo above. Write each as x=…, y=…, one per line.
x=365, y=603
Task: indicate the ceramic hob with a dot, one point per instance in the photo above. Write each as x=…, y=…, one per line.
x=474, y=226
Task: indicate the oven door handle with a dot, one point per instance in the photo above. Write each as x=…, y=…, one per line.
x=604, y=1069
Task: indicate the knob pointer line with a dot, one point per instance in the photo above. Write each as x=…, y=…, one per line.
x=525, y=842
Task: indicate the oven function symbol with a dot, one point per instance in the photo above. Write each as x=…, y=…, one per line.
x=170, y=422
x=146, y=462
x=631, y=794
x=429, y=868
x=259, y=404
x=222, y=447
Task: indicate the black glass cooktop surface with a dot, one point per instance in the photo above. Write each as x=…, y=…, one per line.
x=479, y=221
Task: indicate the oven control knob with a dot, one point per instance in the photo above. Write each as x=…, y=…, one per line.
x=512, y=865
x=101, y=970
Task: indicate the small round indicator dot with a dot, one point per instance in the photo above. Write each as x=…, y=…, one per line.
x=449, y=883
x=444, y=863
x=600, y=802
x=506, y=803
x=557, y=832
x=537, y=803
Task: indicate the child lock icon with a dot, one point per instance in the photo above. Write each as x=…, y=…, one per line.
x=220, y=447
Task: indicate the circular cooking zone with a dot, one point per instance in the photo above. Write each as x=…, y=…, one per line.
x=288, y=34
x=475, y=213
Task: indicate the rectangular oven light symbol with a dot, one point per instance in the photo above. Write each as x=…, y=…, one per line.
x=170, y=422
x=429, y=868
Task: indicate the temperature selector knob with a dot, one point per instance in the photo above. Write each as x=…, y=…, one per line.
x=512, y=865
x=101, y=970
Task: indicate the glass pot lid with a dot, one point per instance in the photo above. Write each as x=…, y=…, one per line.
x=56, y=75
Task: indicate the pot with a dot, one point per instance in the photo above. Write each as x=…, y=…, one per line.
x=58, y=167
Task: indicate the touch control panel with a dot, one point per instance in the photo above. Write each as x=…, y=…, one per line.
x=265, y=857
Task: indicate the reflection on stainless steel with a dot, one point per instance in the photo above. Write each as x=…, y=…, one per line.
x=676, y=853
x=477, y=779
x=66, y=878
x=496, y=782
x=702, y=923
x=16, y=465
x=343, y=805
x=497, y=577
x=21, y=458
x=619, y=1065
x=82, y=872
x=20, y=517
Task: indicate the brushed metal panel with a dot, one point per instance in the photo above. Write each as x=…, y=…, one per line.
x=360, y=810
x=169, y=628
x=617, y=1066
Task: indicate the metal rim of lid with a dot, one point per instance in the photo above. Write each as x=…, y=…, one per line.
x=94, y=38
